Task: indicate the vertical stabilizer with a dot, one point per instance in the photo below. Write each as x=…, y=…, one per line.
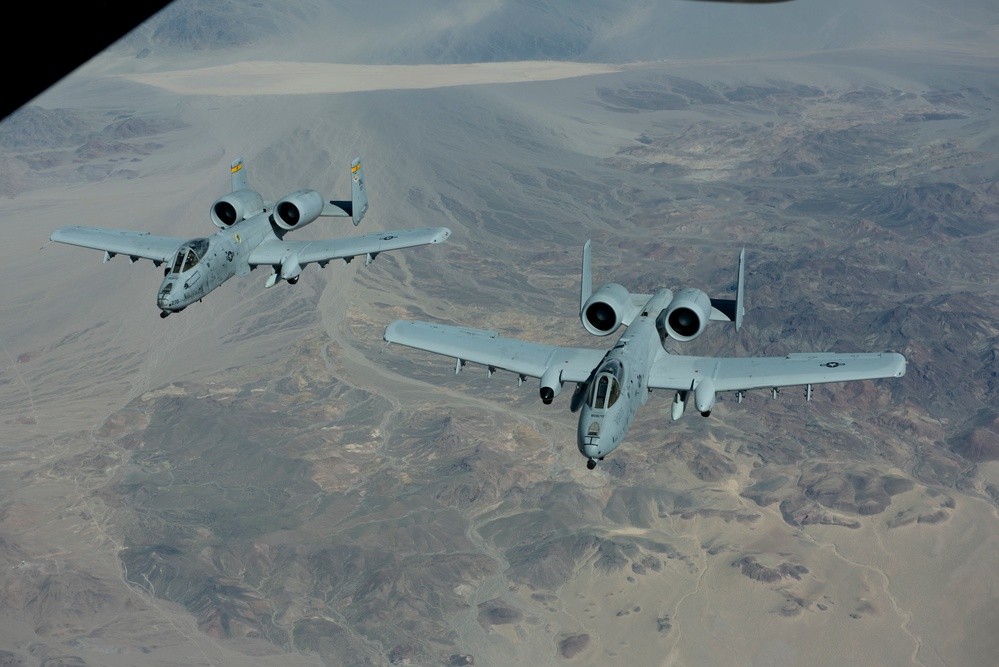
x=358, y=193
x=586, y=281
x=732, y=310
x=358, y=204
x=239, y=181
x=740, y=309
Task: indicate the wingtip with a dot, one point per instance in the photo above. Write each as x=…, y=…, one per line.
x=391, y=330
x=902, y=364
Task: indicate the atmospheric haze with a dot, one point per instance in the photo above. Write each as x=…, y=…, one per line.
x=256, y=479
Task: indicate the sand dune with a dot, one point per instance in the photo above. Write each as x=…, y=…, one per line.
x=291, y=78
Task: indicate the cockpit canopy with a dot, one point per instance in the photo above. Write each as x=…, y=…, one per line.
x=606, y=387
x=189, y=254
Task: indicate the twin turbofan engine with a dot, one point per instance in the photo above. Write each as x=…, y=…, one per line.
x=294, y=211
x=236, y=207
x=683, y=319
x=686, y=315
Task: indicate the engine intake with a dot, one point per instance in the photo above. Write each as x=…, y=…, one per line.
x=685, y=317
x=235, y=207
x=603, y=311
x=298, y=209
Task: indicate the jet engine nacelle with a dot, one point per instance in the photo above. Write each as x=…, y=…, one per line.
x=298, y=209
x=602, y=312
x=235, y=207
x=551, y=384
x=685, y=317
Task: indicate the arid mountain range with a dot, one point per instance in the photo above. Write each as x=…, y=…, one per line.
x=257, y=479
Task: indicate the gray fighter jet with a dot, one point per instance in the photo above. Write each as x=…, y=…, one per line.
x=252, y=233
x=611, y=386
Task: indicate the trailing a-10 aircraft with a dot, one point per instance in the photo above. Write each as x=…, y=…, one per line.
x=251, y=234
x=612, y=385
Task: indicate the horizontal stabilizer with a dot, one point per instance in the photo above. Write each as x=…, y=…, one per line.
x=338, y=209
x=723, y=309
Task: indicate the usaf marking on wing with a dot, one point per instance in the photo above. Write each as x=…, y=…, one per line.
x=612, y=385
x=251, y=234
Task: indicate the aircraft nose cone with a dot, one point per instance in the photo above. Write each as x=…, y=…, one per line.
x=163, y=296
x=591, y=451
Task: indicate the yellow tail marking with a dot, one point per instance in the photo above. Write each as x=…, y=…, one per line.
x=237, y=167
x=354, y=169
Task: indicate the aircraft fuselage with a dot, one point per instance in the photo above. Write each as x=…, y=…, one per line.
x=619, y=386
x=202, y=264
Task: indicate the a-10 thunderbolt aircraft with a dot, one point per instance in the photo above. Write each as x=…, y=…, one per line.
x=252, y=233
x=611, y=386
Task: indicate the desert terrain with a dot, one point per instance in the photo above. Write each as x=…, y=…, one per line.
x=259, y=479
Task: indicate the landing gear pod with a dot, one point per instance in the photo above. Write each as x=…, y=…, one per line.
x=551, y=385
x=704, y=397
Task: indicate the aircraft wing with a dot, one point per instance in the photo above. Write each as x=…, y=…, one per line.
x=490, y=349
x=680, y=372
x=279, y=252
x=117, y=242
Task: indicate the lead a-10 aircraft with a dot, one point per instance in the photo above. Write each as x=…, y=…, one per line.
x=611, y=386
x=252, y=233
